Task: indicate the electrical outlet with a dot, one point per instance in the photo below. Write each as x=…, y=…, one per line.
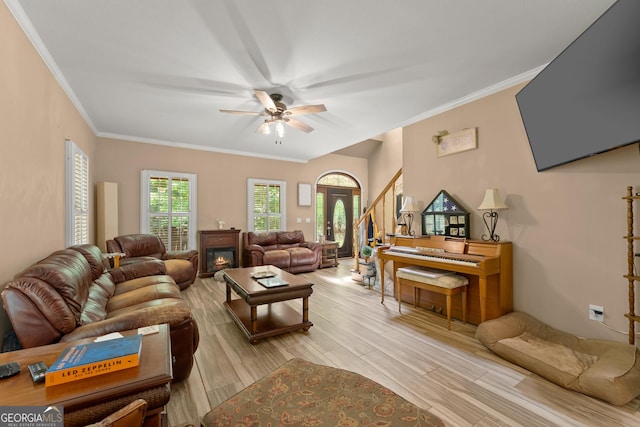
x=596, y=313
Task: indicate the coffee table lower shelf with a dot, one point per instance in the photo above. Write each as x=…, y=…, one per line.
x=272, y=319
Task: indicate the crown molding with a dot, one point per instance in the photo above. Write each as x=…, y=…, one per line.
x=27, y=27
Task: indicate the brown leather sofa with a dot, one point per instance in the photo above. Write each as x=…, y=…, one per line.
x=285, y=249
x=181, y=265
x=72, y=294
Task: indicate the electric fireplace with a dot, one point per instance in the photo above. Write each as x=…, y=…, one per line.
x=219, y=249
x=220, y=258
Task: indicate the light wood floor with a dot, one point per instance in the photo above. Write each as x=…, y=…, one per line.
x=448, y=372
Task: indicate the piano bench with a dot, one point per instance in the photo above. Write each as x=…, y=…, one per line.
x=437, y=281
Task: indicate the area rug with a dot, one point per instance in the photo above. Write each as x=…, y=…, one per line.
x=302, y=393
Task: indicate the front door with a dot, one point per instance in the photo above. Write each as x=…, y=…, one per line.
x=339, y=219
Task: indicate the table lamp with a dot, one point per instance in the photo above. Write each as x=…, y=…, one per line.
x=409, y=206
x=492, y=201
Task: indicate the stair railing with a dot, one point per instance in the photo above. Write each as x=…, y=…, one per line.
x=379, y=200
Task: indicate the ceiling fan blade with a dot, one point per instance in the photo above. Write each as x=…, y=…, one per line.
x=306, y=109
x=298, y=125
x=245, y=113
x=266, y=100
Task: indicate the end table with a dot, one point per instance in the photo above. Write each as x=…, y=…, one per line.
x=329, y=254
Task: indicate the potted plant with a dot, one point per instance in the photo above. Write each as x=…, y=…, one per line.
x=365, y=252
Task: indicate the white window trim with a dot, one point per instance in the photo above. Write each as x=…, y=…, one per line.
x=251, y=182
x=144, y=201
x=71, y=190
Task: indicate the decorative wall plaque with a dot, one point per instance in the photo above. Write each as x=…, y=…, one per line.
x=457, y=142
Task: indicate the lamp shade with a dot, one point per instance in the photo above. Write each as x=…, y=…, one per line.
x=492, y=200
x=409, y=204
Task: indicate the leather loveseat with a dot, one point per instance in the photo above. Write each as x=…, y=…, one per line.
x=72, y=294
x=181, y=265
x=285, y=249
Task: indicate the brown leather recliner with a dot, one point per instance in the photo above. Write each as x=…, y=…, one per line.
x=181, y=265
x=71, y=294
x=286, y=250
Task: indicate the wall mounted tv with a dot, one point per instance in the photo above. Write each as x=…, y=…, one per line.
x=587, y=100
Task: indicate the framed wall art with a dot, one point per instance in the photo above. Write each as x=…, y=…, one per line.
x=304, y=194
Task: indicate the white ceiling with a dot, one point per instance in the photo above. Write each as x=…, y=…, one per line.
x=158, y=71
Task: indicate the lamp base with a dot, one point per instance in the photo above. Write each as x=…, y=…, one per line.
x=409, y=222
x=490, y=220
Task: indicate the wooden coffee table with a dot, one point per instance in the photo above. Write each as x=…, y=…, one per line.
x=91, y=399
x=259, y=311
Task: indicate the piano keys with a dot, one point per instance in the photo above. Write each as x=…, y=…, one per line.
x=487, y=265
x=417, y=253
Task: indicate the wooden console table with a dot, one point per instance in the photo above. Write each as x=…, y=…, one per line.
x=91, y=399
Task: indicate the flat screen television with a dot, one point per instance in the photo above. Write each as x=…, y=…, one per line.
x=587, y=100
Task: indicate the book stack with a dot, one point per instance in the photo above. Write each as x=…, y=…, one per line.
x=96, y=358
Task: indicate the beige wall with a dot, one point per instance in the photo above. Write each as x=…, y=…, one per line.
x=566, y=223
x=222, y=180
x=383, y=165
x=35, y=119
x=384, y=162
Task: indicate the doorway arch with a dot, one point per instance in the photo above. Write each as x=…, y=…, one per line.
x=338, y=202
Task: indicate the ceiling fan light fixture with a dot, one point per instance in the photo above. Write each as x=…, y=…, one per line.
x=279, y=115
x=266, y=129
x=279, y=128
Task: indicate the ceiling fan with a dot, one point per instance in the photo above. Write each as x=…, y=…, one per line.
x=278, y=114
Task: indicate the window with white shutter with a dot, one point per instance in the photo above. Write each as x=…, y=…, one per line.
x=77, y=195
x=168, y=208
x=267, y=205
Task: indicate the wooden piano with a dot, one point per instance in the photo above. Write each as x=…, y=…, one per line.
x=487, y=265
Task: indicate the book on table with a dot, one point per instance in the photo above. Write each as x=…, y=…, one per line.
x=273, y=282
x=96, y=358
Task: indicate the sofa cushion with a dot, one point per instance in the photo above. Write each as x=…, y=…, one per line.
x=136, y=245
x=279, y=258
x=154, y=312
x=152, y=267
x=100, y=291
x=144, y=294
x=262, y=239
x=97, y=261
x=180, y=269
x=133, y=260
x=169, y=310
x=39, y=314
x=288, y=239
x=141, y=282
x=301, y=256
x=68, y=272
